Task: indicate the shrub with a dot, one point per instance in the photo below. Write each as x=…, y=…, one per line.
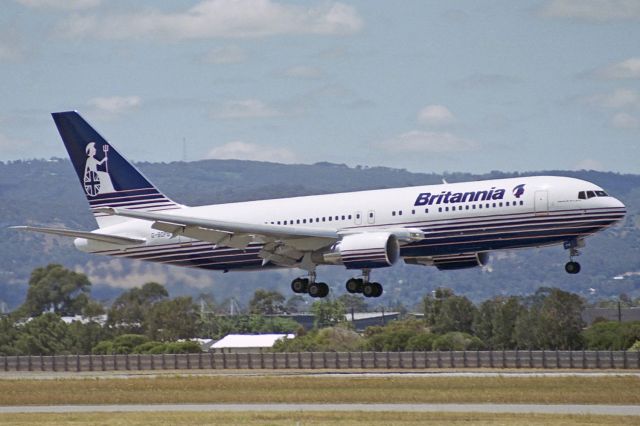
x=457, y=341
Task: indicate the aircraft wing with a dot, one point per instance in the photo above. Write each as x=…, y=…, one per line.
x=283, y=245
x=105, y=238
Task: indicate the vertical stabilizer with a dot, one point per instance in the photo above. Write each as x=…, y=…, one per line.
x=106, y=177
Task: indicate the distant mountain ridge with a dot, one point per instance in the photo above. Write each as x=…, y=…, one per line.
x=41, y=192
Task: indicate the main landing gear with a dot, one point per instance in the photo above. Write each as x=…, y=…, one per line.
x=362, y=285
x=573, y=267
x=310, y=286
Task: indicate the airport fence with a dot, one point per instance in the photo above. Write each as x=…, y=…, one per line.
x=327, y=360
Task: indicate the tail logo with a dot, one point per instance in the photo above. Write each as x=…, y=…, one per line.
x=518, y=190
x=96, y=172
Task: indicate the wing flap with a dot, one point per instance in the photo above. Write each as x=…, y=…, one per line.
x=105, y=238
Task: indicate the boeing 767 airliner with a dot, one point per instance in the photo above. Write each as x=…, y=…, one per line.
x=449, y=226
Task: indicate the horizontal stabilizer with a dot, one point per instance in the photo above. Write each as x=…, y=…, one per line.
x=111, y=239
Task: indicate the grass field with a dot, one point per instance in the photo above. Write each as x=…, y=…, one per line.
x=305, y=419
x=309, y=389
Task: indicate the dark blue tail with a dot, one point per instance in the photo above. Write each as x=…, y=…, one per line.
x=107, y=178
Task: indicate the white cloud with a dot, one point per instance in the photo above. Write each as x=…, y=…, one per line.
x=623, y=120
x=248, y=108
x=220, y=18
x=428, y=142
x=436, y=115
x=10, y=147
x=60, y=4
x=625, y=70
x=225, y=55
x=305, y=72
x=115, y=104
x=593, y=10
x=619, y=98
x=239, y=150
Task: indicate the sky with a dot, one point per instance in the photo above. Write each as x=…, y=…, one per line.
x=428, y=86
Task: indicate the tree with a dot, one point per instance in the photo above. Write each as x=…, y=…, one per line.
x=495, y=322
x=398, y=336
x=57, y=289
x=130, y=308
x=457, y=341
x=8, y=336
x=456, y=314
x=353, y=303
x=432, y=304
x=265, y=302
x=172, y=319
x=46, y=334
x=553, y=321
x=328, y=313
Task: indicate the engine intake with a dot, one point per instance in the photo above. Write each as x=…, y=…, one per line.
x=365, y=250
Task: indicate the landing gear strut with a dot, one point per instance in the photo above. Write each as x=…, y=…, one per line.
x=310, y=286
x=573, y=267
x=362, y=285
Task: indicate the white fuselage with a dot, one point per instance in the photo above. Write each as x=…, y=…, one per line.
x=457, y=219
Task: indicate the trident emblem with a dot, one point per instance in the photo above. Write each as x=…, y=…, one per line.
x=105, y=149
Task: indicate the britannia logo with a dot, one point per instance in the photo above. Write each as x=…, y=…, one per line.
x=96, y=172
x=518, y=190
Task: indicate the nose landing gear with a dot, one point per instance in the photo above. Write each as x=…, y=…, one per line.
x=573, y=267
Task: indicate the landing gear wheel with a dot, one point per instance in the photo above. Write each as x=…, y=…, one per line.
x=300, y=285
x=354, y=285
x=372, y=289
x=572, y=267
x=318, y=290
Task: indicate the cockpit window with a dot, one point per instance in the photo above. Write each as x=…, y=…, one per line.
x=581, y=195
x=591, y=194
x=601, y=194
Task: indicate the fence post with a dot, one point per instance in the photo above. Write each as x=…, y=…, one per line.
x=464, y=359
x=557, y=359
x=200, y=366
x=544, y=359
x=451, y=359
x=224, y=359
x=478, y=358
x=597, y=359
x=153, y=362
x=66, y=362
x=375, y=360
x=624, y=359
x=164, y=362
x=491, y=358
x=504, y=359
x=439, y=359
x=286, y=360
x=29, y=366
x=571, y=359
x=212, y=361
x=337, y=361
x=78, y=362
x=584, y=360
x=139, y=363
x=53, y=363
x=299, y=360
x=90, y=362
x=388, y=363
x=237, y=361
x=324, y=360
x=362, y=359
x=413, y=359
x=611, y=359
x=349, y=360
x=175, y=361
x=426, y=359
x=188, y=361
x=126, y=362
x=518, y=358
x=6, y=363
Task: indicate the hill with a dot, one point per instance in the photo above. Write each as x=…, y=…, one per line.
x=43, y=192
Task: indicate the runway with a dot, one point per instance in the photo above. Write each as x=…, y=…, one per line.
x=623, y=410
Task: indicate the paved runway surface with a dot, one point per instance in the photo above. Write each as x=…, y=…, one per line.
x=627, y=410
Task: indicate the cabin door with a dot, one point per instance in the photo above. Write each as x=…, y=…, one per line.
x=542, y=202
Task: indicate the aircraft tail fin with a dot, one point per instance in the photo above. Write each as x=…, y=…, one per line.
x=107, y=178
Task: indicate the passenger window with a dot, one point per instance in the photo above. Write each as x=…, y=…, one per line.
x=591, y=194
x=329, y=218
x=500, y=204
x=413, y=212
x=507, y=204
x=358, y=216
x=440, y=209
x=473, y=207
x=426, y=210
x=304, y=220
x=521, y=203
x=400, y=213
x=371, y=215
x=479, y=206
x=324, y=219
x=342, y=217
x=393, y=213
x=466, y=207
x=349, y=217
x=446, y=209
x=285, y=222
x=298, y=221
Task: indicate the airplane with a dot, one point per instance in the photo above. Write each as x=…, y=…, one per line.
x=449, y=226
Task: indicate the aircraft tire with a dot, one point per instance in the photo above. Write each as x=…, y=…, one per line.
x=354, y=285
x=300, y=285
x=572, y=267
x=378, y=289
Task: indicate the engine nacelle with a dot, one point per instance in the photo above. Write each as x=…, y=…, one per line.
x=461, y=262
x=365, y=250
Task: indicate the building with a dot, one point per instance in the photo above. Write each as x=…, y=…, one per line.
x=247, y=343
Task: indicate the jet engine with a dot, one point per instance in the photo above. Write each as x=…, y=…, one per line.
x=364, y=250
x=461, y=261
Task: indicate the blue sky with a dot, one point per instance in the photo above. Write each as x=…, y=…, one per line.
x=423, y=85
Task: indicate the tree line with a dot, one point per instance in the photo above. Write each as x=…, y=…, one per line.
x=146, y=320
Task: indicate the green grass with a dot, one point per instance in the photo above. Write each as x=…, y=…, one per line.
x=306, y=389
x=343, y=418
